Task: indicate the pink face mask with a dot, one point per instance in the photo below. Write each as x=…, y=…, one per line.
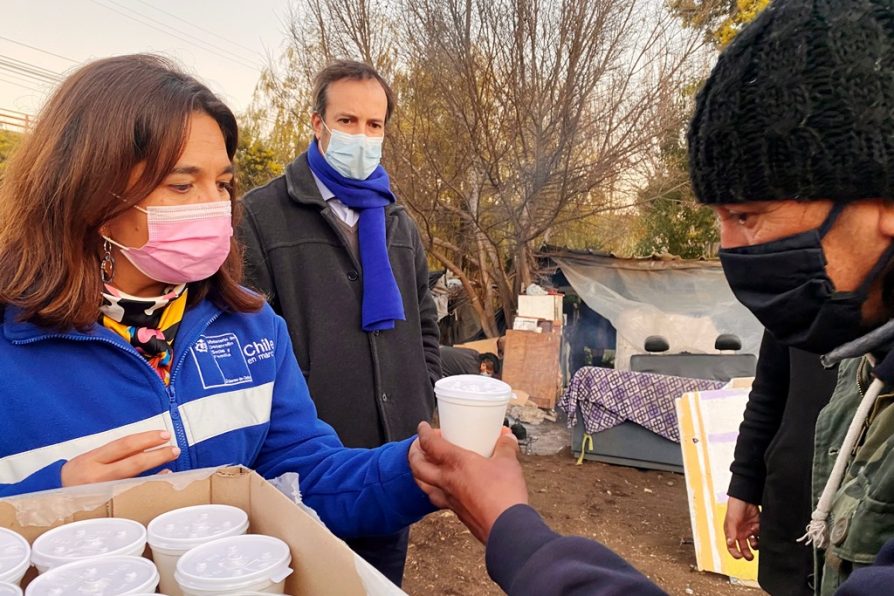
x=186, y=242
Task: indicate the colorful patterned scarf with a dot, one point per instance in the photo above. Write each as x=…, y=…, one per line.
x=148, y=324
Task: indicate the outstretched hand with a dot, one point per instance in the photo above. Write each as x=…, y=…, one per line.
x=476, y=488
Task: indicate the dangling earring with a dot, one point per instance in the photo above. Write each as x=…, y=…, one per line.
x=107, y=265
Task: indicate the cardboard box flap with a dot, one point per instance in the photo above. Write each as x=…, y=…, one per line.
x=55, y=507
x=322, y=563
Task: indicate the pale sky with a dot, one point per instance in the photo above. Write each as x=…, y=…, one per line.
x=223, y=42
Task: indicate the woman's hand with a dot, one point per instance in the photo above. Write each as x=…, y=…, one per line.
x=123, y=458
x=477, y=489
x=742, y=528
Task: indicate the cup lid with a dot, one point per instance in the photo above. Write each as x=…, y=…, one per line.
x=15, y=555
x=101, y=576
x=7, y=589
x=473, y=388
x=88, y=538
x=235, y=562
x=188, y=527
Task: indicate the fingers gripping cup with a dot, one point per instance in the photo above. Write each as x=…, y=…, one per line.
x=15, y=557
x=89, y=538
x=235, y=565
x=175, y=532
x=471, y=409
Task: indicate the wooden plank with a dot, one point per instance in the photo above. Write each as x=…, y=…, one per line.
x=531, y=364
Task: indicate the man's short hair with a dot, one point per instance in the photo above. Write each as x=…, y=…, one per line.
x=347, y=69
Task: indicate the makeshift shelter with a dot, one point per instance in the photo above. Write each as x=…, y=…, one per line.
x=626, y=416
x=686, y=301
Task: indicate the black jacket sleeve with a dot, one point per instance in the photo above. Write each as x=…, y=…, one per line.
x=763, y=415
x=428, y=313
x=525, y=557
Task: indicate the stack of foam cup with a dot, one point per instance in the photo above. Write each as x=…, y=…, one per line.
x=115, y=575
x=235, y=565
x=471, y=409
x=176, y=532
x=15, y=557
x=8, y=589
x=87, y=539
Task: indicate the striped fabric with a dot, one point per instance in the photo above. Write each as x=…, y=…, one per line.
x=203, y=419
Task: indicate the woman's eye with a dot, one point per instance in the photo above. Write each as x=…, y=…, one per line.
x=225, y=186
x=181, y=187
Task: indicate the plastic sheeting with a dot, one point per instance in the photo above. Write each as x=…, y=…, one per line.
x=689, y=303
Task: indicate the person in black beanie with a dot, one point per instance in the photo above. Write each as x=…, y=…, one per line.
x=792, y=144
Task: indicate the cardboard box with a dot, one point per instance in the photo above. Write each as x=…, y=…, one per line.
x=526, y=324
x=547, y=307
x=322, y=563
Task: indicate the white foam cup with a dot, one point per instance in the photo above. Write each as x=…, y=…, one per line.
x=15, y=557
x=235, y=565
x=115, y=575
x=8, y=589
x=174, y=533
x=471, y=409
x=103, y=537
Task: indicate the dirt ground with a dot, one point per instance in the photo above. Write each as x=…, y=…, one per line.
x=642, y=515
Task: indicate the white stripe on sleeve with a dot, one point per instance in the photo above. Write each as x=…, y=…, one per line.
x=217, y=414
x=17, y=467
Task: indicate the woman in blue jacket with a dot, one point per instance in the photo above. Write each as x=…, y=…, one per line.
x=127, y=345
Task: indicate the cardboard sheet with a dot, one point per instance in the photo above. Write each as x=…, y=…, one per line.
x=531, y=364
x=709, y=426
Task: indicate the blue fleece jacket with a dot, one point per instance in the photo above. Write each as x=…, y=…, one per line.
x=236, y=396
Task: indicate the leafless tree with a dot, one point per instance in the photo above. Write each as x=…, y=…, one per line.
x=516, y=117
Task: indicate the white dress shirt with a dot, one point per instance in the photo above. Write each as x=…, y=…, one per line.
x=344, y=213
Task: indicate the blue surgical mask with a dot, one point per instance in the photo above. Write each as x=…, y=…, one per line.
x=353, y=156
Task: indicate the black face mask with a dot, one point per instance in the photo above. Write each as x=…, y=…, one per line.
x=785, y=284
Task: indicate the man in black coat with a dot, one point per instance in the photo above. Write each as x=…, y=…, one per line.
x=772, y=466
x=345, y=266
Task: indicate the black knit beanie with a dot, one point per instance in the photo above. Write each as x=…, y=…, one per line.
x=800, y=106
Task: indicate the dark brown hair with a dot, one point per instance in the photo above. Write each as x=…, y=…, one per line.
x=72, y=174
x=347, y=69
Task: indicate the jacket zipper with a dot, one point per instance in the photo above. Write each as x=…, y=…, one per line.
x=174, y=406
x=864, y=363
x=169, y=391
x=862, y=391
